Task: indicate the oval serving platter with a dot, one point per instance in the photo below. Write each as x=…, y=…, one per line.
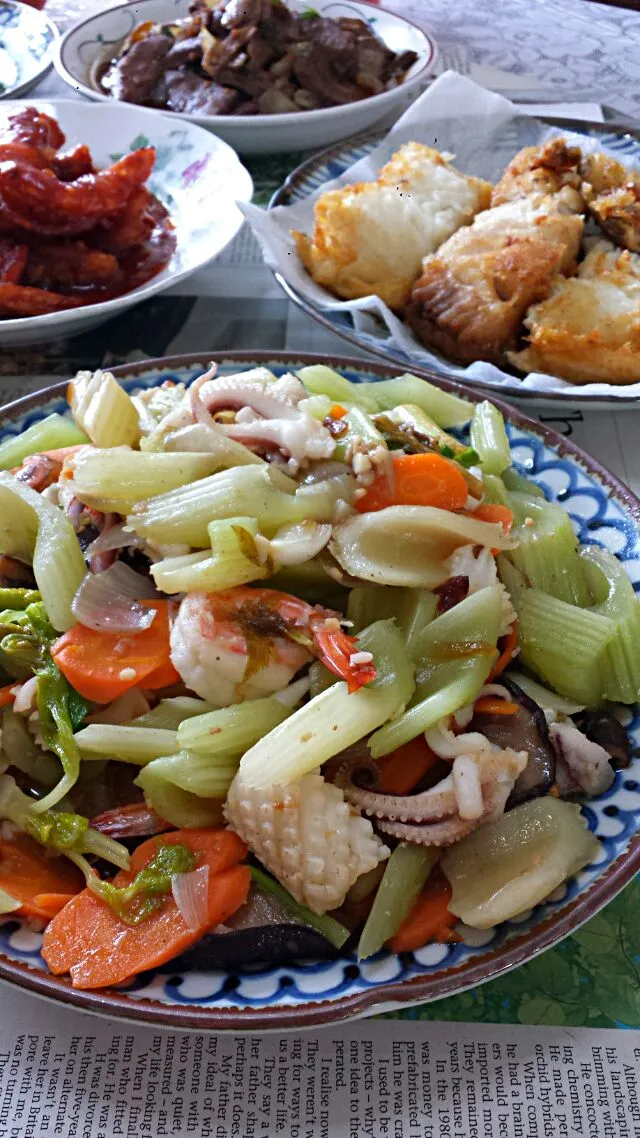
x=331, y=163
x=253, y=998
x=27, y=43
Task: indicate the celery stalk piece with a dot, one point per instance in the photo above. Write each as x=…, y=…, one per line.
x=102, y=408
x=231, y=730
x=489, y=438
x=447, y=409
x=413, y=609
x=495, y=491
x=320, y=678
x=418, y=611
x=512, y=863
x=514, y=481
x=475, y=620
x=470, y=677
x=260, y=492
x=564, y=644
x=205, y=776
x=327, y=926
x=175, y=805
x=384, y=394
x=511, y=578
x=620, y=670
x=368, y=603
x=118, y=477
x=405, y=876
x=334, y=719
x=136, y=745
x=49, y=434
x=170, y=713
x=234, y=560
x=547, y=550
x=322, y=380
x=58, y=563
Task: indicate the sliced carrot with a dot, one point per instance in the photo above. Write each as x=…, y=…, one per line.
x=338, y=411
x=26, y=873
x=418, y=480
x=103, y=665
x=403, y=768
x=428, y=919
x=52, y=903
x=496, y=514
x=492, y=705
x=91, y=942
x=508, y=647
x=7, y=694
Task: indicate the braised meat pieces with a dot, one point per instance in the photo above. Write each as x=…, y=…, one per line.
x=253, y=57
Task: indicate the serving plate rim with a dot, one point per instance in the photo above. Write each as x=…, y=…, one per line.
x=48, y=59
x=493, y=962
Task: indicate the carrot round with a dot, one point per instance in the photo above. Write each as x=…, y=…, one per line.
x=489, y=512
x=428, y=919
x=403, y=768
x=103, y=665
x=508, y=647
x=91, y=942
x=26, y=873
x=52, y=903
x=418, y=480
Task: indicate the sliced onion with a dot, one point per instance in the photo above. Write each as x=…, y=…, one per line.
x=292, y=694
x=25, y=697
x=190, y=893
x=321, y=471
x=8, y=904
x=115, y=537
x=294, y=544
x=109, y=601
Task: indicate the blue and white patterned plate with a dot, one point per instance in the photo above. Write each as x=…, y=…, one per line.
x=603, y=511
x=308, y=178
x=27, y=42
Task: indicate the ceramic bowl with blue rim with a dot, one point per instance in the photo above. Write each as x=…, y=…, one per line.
x=89, y=45
x=196, y=176
x=28, y=40
x=603, y=511
x=370, y=335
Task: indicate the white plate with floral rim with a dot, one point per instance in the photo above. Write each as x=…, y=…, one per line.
x=197, y=176
x=86, y=48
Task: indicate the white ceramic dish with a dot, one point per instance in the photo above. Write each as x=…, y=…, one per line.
x=97, y=39
x=196, y=176
x=27, y=42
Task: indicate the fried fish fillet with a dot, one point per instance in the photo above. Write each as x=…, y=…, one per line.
x=612, y=194
x=473, y=293
x=545, y=169
x=588, y=330
x=370, y=238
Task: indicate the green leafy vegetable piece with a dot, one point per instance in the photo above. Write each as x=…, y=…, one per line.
x=135, y=902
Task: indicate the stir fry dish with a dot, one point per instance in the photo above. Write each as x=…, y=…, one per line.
x=292, y=665
x=538, y=273
x=252, y=57
x=72, y=235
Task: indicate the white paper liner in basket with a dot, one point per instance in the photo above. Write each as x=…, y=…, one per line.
x=484, y=131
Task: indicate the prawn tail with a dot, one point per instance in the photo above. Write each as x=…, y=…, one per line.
x=339, y=653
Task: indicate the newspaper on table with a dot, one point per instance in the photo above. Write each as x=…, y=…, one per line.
x=74, y=1076
x=483, y=131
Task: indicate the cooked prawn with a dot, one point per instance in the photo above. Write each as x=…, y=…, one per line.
x=244, y=643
